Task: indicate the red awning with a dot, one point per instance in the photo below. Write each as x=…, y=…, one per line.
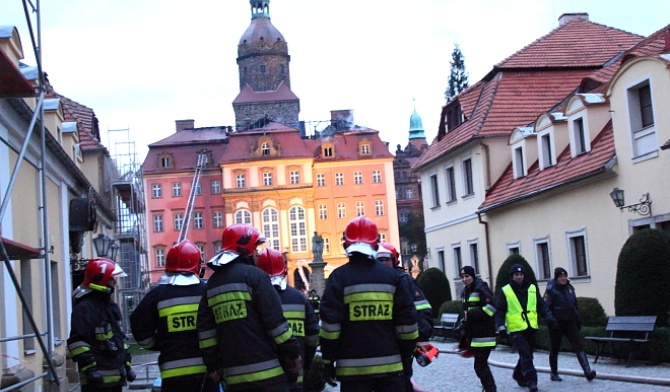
x=17, y=251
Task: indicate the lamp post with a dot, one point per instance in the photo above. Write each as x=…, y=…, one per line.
x=102, y=243
x=114, y=250
x=643, y=207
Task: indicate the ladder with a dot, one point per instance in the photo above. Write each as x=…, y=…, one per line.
x=202, y=161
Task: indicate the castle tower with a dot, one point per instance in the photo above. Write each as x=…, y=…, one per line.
x=265, y=82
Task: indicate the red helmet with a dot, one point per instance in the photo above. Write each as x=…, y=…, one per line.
x=361, y=235
x=184, y=257
x=237, y=240
x=272, y=262
x=98, y=272
x=387, y=250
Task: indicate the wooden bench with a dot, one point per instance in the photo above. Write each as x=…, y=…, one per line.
x=447, y=324
x=633, y=331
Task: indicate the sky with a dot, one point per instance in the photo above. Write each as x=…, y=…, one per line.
x=143, y=64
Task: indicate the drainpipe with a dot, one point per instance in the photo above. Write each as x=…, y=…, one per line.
x=488, y=248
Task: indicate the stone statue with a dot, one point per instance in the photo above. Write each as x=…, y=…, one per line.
x=317, y=246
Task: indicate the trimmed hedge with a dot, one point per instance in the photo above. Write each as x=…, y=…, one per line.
x=435, y=286
x=591, y=312
x=503, y=276
x=450, y=307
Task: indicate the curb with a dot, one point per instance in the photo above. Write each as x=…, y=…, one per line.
x=579, y=373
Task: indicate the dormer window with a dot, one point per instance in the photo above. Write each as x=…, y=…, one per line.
x=579, y=139
x=266, y=146
x=265, y=149
x=165, y=161
x=521, y=151
x=454, y=117
x=327, y=150
x=518, y=164
x=546, y=146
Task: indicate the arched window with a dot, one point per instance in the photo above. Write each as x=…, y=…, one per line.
x=265, y=149
x=271, y=228
x=243, y=216
x=298, y=229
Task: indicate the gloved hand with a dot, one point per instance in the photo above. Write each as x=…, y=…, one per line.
x=292, y=367
x=93, y=378
x=460, y=328
x=130, y=374
x=329, y=372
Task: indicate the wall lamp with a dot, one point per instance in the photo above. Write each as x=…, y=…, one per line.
x=643, y=207
x=104, y=247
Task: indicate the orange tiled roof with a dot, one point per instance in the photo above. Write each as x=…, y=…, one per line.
x=87, y=122
x=567, y=170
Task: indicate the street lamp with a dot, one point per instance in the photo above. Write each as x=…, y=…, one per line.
x=114, y=250
x=102, y=243
x=643, y=207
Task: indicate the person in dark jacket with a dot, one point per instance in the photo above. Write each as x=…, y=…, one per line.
x=97, y=342
x=368, y=319
x=518, y=305
x=389, y=256
x=165, y=321
x=297, y=310
x=244, y=336
x=561, y=299
x=315, y=301
x=478, y=324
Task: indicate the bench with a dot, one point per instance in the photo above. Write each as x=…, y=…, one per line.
x=633, y=331
x=447, y=323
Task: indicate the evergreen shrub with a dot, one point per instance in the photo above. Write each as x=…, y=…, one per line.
x=591, y=312
x=503, y=276
x=435, y=287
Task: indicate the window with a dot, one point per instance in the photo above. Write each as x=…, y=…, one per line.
x=178, y=220
x=409, y=193
x=158, y=223
x=243, y=216
x=468, y=184
x=323, y=212
x=201, y=248
x=458, y=258
x=474, y=255
x=577, y=253
x=365, y=149
x=156, y=191
x=326, y=244
x=542, y=258
x=298, y=227
x=198, y=221
x=217, y=246
x=27, y=288
x=358, y=178
x=641, y=112
x=270, y=218
x=263, y=68
x=215, y=187
x=451, y=184
x=434, y=190
x=441, y=260
x=341, y=210
x=513, y=248
x=376, y=176
x=382, y=237
x=454, y=117
x=403, y=217
x=159, y=256
x=295, y=177
x=217, y=219
x=198, y=189
x=165, y=161
x=379, y=207
x=518, y=165
x=328, y=151
x=339, y=178
x=579, y=145
x=176, y=189
x=360, y=208
x=546, y=148
x=267, y=178
x=321, y=179
x=240, y=181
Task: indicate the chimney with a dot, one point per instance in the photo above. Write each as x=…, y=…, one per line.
x=342, y=119
x=569, y=17
x=184, y=124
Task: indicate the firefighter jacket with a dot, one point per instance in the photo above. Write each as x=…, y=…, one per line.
x=97, y=341
x=165, y=321
x=424, y=311
x=315, y=301
x=242, y=329
x=479, y=312
x=368, y=320
x=304, y=325
x=518, y=306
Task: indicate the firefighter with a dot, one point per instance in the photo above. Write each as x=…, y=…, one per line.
x=315, y=301
x=244, y=336
x=368, y=319
x=165, y=321
x=388, y=255
x=97, y=342
x=297, y=310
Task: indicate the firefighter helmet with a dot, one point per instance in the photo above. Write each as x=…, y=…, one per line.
x=98, y=273
x=272, y=262
x=237, y=240
x=361, y=235
x=184, y=257
x=389, y=251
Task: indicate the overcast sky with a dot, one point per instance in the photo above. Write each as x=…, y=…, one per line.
x=142, y=64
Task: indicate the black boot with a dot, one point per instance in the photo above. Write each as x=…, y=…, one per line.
x=584, y=361
x=553, y=364
x=556, y=377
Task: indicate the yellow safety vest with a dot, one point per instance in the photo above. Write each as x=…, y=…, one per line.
x=515, y=318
